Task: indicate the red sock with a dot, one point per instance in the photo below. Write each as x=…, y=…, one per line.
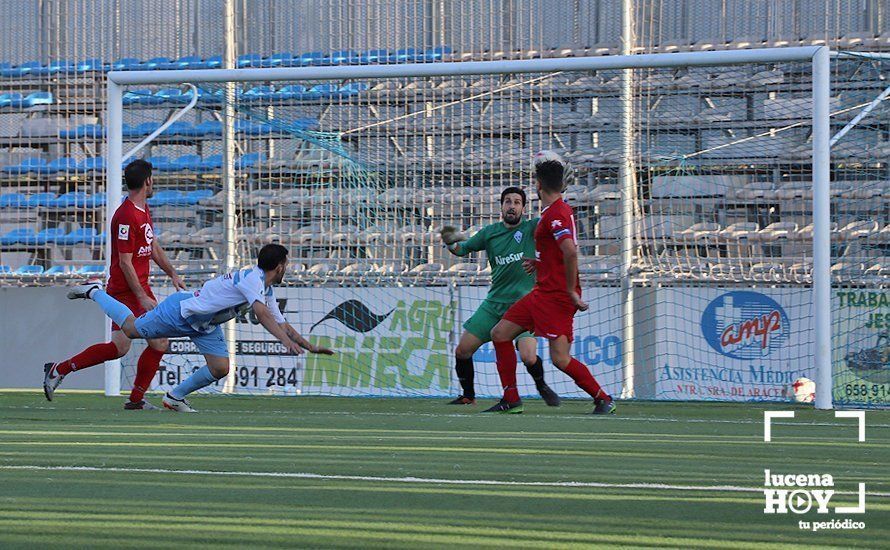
x=93, y=355
x=146, y=368
x=581, y=375
x=506, y=358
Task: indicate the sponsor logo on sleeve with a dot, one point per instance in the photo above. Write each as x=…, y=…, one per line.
x=123, y=232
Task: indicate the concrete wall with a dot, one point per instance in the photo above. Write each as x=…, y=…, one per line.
x=38, y=325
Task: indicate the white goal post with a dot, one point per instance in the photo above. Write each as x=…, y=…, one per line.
x=818, y=56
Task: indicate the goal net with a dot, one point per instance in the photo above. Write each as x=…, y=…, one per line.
x=693, y=199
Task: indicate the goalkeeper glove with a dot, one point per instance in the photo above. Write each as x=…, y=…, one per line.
x=451, y=237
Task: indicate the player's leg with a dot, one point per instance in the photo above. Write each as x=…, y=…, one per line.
x=146, y=368
x=54, y=373
x=117, y=311
x=213, y=346
x=528, y=354
x=560, y=354
x=515, y=322
x=463, y=366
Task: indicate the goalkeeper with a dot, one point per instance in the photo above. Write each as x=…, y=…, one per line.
x=506, y=243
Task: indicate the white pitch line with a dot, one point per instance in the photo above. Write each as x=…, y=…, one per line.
x=426, y=480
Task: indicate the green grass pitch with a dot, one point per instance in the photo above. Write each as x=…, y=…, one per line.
x=325, y=472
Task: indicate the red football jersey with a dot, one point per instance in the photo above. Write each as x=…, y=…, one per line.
x=557, y=223
x=130, y=233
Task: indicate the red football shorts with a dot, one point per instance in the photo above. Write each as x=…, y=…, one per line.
x=546, y=315
x=129, y=299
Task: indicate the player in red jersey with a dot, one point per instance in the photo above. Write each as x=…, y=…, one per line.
x=132, y=247
x=549, y=309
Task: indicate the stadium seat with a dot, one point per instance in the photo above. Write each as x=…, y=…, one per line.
x=91, y=270
x=249, y=60
x=94, y=65
x=30, y=165
x=6, y=100
x=186, y=62
x=55, y=67
x=162, y=163
x=48, y=236
x=31, y=100
x=437, y=54
x=374, y=57
x=171, y=95
x=311, y=58
x=126, y=64
x=89, y=131
x=13, y=200
x=178, y=128
x=259, y=93
x=21, y=70
x=191, y=163
x=343, y=57
x=83, y=235
x=40, y=200
x=320, y=91
x=64, y=164
x=156, y=63
x=29, y=270
x=196, y=196
x=352, y=88
x=213, y=162
x=291, y=91
x=280, y=59
x=4, y=269
x=207, y=128
x=141, y=96
x=249, y=160
x=92, y=164
x=75, y=199
x=168, y=197
x=22, y=235
x=406, y=55
x=58, y=270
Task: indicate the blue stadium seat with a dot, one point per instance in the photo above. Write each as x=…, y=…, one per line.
x=191, y=163
x=146, y=128
x=29, y=165
x=13, y=200
x=49, y=236
x=92, y=164
x=210, y=96
x=126, y=64
x=437, y=53
x=21, y=70
x=321, y=91
x=187, y=62
x=406, y=55
x=280, y=59
x=168, y=197
x=60, y=66
x=29, y=270
x=291, y=91
x=249, y=60
x=40, y=200
x=213, y=162
x=141, y=97
x=6, y=100
x=91, y=270
x=21, y=235
x=193, y=197
x=156, y=63
x=171, y=95
x=93, y=131
x=63, y=164
x=92, y=66
x=249, y=160
x=344, y=57
x=214, y=62
x=258, y=93
x=83, y=235
x=58, y=270
x=161, y=163
x=76, y=199
x=311, y=58
x=207, y=128
x=4, y=269
x=376, y=56
x=33, y=99
x=178, y=128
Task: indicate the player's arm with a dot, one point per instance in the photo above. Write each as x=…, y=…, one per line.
x=458, y=243
x=125, y=260
x=570, y=264
x=160, y=258
x=267, y=319
x=304, y=343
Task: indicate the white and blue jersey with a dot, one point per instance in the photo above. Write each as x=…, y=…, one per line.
x=198, y=314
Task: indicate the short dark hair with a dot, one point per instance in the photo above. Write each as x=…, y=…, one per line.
x=271, y=256
x=550, y=175
x=513, y=190
x=137, y=173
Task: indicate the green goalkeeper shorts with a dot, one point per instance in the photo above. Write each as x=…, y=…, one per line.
x=485, y=318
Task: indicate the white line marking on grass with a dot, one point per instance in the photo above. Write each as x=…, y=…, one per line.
x=425, y=480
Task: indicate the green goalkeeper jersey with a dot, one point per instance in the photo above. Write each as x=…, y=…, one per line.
x=506, y=248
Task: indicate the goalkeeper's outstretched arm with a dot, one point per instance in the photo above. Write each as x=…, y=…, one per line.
x=453, y=239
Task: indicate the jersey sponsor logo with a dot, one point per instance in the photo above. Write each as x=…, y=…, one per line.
x=149, y=233
x=745, y=325
x=555, y=223
x=508, y=259
x=517, y=236
x=123, y=232
x=144, y=251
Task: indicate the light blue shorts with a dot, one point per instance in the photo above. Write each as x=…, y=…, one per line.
x=165, y=321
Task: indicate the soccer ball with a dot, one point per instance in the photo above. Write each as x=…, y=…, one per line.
x=804, y=390
x=568, y=175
